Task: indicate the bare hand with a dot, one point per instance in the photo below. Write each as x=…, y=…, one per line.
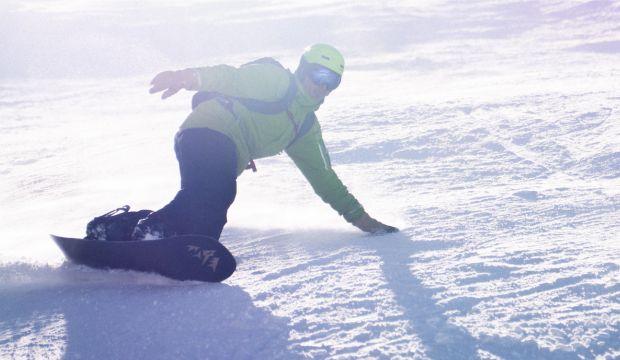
x=370, y=225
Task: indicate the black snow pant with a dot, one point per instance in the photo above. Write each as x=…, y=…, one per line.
x=208, y=165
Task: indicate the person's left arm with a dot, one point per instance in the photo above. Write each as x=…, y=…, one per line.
x=311, y=157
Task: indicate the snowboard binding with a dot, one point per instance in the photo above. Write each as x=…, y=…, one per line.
x=116, y=225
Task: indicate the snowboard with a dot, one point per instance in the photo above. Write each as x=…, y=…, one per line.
x=185, y=257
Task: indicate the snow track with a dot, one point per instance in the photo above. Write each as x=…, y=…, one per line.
x=488, y=132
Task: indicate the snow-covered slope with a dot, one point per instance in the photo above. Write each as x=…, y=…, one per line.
x=488, y=132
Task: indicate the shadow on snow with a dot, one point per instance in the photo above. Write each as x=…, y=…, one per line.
x=92, y=314
x=442, y=339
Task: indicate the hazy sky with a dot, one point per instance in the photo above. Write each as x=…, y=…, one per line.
x=74, y=38
x=115, y=38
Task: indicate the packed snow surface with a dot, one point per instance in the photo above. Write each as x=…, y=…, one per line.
x=487, y=131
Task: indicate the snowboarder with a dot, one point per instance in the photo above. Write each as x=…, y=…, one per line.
x=245, y=113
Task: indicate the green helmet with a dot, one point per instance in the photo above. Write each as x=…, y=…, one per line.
x=324, y=55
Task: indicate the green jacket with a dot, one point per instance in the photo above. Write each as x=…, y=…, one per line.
x=258, y=135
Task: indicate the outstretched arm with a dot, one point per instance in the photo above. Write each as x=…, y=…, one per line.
x=226, y=80
x=311, y=157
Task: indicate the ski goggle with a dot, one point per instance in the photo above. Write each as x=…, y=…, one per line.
x=323, y=76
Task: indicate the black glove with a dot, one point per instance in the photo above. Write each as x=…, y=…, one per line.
x=173, y=81
x=370, y=225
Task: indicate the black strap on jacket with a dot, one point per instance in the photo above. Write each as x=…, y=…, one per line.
x=262, y=106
